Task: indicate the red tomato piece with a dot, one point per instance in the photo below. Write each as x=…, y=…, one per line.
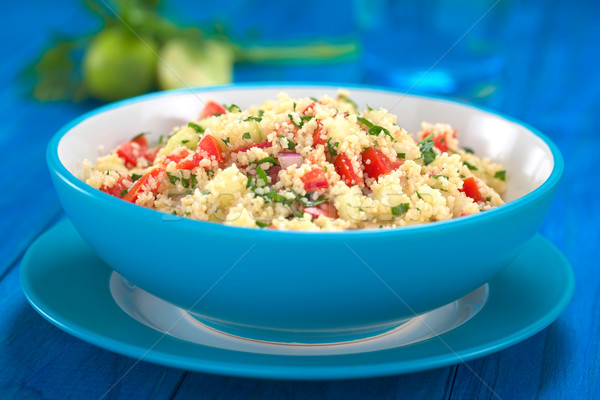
x=212, y=108
x=140, y=140
x=134, y=192
x=376, y=164
x=471, y=190
x=128, y=153
x=315, y=179
x=317, y=139
x=326, y=209
x=310, y=107
x=211, y=146
x=177, y=156
x=261, y=145
x=118, y=188
x=150, y=154
x=190, y=163
x=345, y=169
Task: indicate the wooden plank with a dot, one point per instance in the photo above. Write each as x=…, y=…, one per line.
x=38, y=360
x=432, y=385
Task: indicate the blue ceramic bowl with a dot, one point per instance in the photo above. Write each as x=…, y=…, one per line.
x=305, y=286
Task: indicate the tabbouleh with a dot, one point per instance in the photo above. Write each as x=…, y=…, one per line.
x=302, y=164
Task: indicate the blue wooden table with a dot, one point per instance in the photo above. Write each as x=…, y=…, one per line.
x=549, y=77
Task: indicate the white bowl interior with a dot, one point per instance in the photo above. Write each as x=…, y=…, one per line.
x=527, y=158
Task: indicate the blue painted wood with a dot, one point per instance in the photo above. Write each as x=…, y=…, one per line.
x=549, y=80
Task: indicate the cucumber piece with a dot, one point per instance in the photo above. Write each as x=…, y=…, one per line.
x=186, y=136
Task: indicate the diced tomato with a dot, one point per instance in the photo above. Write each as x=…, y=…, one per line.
x=310, y=107
x=134, y=192
x=211, y=146
x=261, y=145
x=317, y=139
x=440, y=140
x=140, y=140
x=177, y=156
x=150, y=154
x=345, y=169
x=315, y=179
x=471, y=190
x=377, y=164
x=326, y=209
x=212, y=108
x=129, y=153
x=117, y=188
x=190, y=163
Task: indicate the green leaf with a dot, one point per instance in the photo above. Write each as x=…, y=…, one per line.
x=252, y=118
x=400, y=209
x=401, y=155
x=262, y=175
x=246, y=135
x=135, y=177
x=123, y=193
x=426, y=148
x=269, y=159
x=468, y=150
x=226, y=141
x=262, y=224
x=500, y=175
x=232, y=108
x=173, y=178
x=139, y=135
x=348, y=100
x=332, y=148
x=290, y=145
x=365, y=121
x=196, y=127
x=470, y=166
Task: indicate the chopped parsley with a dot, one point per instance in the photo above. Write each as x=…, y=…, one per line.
x=262, y=224
x=365, y=121
x=246, y=135
x=375, y=130
x=226, y=141
x=369, y=108
x=294, y=106
x=184, y=141
x=470, y=166
x=307, y=202
x=400, y=209
x=172, y=178
x=332, y=147
x=290, y=145
x=262, y=175
x=135, y=177
x=303, y=120
x=123, y=193
x=196, y=127
x=426, y=148
x=251, y=182
x=269, y=159
x=419, y=195
x=261, y=113
x=232, y=108
x=489, y=198
x=439, y=176
x=401, y=155
x=252, y=118
x=314, y=99
x=299, y=214
x=500, y=175
x=468, y=150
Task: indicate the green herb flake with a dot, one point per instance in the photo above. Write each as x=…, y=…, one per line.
x=439, y=176
x=262, y=175
x=196, y=127
x=375, y=130
x=470, y=166
x=419, y=195
x=184, y=141
x=426, y=148
x=489, y=198
x=299, y=214
x=227, y=141
x=290, y=145
x=400, y=209
x=269, y=159
x=232, y=108
x=261, y=113
x=468, y=150
x=252, y=118
x=108, y=172
x=365, y=121
x=500, y=175
x=294, y=106
x=246, y=135
x=135, y=177
x=332, y=147
x=314, y=99
x=262, y=224
x=123, y=193
x=369, y=108
x=173, y=178
x=401, y=155
x=251, y=182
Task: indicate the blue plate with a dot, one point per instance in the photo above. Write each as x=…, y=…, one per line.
x=68, y=284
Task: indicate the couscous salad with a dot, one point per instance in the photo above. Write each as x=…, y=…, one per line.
x=302, y=164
